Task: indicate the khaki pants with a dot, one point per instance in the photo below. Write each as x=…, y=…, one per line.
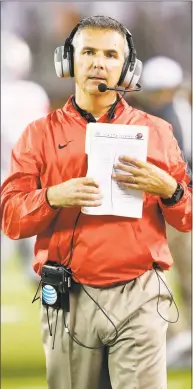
x=137, y=360
x=180, y=247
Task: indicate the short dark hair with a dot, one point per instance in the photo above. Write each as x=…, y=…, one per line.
x=103, y=22
x=106, y=23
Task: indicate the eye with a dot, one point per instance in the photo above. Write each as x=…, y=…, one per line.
x=88, y=52
x=111, y=55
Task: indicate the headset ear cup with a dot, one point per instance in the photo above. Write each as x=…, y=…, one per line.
x=131, y=78
x=62, y=66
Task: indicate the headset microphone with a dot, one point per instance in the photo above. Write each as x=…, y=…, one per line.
x=104, y=88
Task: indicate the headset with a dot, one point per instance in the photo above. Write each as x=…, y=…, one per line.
x=64, y=61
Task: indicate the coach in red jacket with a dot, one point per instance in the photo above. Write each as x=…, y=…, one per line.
x=113, y=257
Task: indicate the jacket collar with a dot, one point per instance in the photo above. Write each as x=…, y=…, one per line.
x=122, y=106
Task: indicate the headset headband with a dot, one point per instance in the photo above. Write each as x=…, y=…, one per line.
x=68, y=41
x=64, y=60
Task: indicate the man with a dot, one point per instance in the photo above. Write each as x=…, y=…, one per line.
x=116, y=262
x=26, y=101
x=163, y=96
x=162, y=81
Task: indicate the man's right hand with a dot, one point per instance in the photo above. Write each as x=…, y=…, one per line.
x=76, y=192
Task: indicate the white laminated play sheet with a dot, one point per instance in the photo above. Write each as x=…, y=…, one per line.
x=105, y=143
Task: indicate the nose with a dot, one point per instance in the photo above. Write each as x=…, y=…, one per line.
x=98, y=62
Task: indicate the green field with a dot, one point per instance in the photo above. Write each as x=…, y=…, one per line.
x=176, y=381
x=22, y=358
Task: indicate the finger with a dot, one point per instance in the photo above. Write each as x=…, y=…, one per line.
x=90, y=189
x=124, y=178
x=83, y=203
x=89, y=181
x=129, y=169
x=88, y=196
x=125, y=185
x=87, y=189
x=135, y=162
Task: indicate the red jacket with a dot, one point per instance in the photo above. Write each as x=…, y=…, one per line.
x=107, y=249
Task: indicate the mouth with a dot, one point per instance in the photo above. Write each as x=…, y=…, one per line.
x=97, y=79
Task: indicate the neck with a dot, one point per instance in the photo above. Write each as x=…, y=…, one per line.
x=96, y=104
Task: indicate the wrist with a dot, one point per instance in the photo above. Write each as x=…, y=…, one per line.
x=51, y=197
x=170, y=191
x=176, y=197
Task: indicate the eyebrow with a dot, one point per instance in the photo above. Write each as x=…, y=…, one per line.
x=107, y=51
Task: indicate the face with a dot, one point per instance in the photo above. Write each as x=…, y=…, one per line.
x=98, y=58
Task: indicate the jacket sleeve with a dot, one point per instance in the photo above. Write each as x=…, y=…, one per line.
x=179, y=215
x=24, y=207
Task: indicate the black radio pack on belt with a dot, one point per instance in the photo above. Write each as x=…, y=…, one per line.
x=56, y=282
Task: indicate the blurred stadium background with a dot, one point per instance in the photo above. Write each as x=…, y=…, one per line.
x=30, y=33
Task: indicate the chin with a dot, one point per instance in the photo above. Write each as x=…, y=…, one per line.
x=93, y=90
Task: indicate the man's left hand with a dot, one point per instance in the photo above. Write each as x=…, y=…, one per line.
x=144, y=176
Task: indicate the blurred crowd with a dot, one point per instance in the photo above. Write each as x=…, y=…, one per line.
x=30, y=89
